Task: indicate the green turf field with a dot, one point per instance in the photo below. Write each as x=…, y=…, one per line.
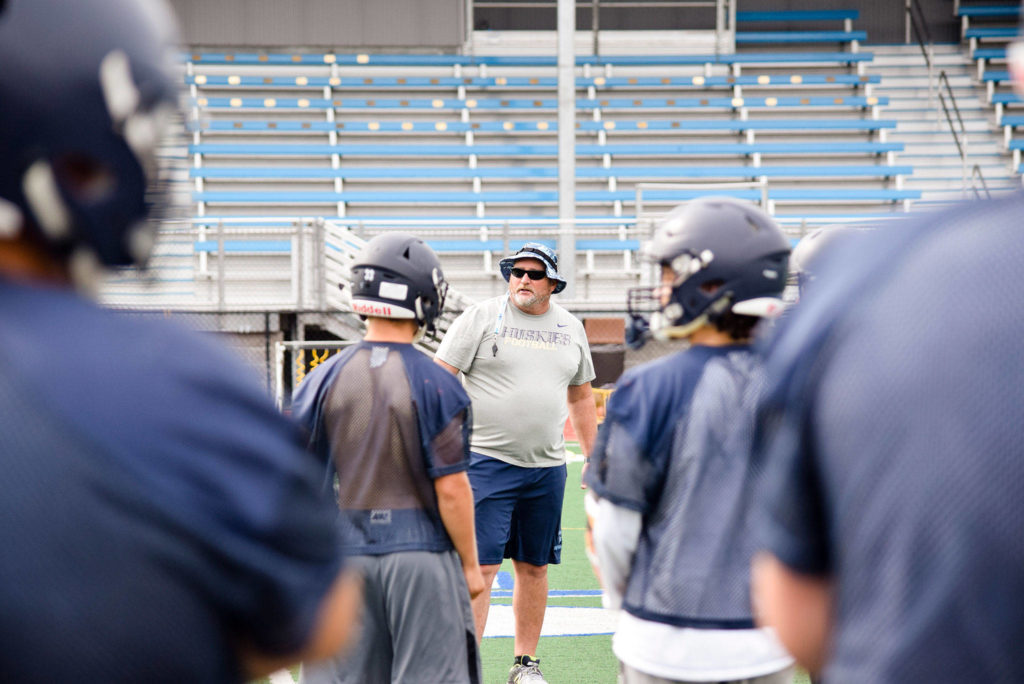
x=563, y=659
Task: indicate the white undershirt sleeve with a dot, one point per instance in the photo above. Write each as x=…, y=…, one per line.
x=616, y=535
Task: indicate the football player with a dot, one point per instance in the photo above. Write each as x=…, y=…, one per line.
x=673, y=484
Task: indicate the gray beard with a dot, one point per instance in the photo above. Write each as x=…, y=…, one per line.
x=529, y=302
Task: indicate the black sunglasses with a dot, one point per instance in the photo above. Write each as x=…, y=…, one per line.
x=535, y=274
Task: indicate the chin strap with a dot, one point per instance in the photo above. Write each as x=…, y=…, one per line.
x=678, y=332
x=662, y=332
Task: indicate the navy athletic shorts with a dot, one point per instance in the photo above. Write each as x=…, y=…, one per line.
x=518, y=511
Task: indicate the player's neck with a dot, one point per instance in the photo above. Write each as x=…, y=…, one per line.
x=23, y=261
x=390, y=330
x=710, y=336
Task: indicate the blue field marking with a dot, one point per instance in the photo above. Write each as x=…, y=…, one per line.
x=563, y=593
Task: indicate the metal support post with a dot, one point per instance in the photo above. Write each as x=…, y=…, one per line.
x=567, y=143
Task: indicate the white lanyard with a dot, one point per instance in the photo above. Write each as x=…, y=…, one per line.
x=497, y=324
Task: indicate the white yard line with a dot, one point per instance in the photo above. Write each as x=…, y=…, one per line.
x=281, y=677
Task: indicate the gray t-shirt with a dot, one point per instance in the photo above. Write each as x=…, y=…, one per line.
x=518, y=378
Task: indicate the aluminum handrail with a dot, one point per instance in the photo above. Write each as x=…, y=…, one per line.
x=919, y=27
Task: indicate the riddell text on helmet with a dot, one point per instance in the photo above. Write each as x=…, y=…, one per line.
x=372, y=309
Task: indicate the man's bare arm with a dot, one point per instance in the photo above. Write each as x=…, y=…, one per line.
x=797, y=606
x=451, y=369
x=455, y=503
x=583, y=416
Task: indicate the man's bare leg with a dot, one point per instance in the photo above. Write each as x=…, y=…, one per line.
x=529, y=601
x=482, y=603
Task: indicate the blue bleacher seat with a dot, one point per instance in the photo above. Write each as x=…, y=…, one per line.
x=996, y=76
x=531, y=104
x=446, y=246
x=244, y=246
x=991, y=32
x=989, y=53
x=319, y=125
x=986, y=11
x=584, y=150
x=796, y=15
x=549, y=172
x=1006, y=98
x=253, y=59
x=279, y=197
x=777, y=37
x=500, y=82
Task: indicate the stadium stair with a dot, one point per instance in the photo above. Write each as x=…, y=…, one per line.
x=928, y=143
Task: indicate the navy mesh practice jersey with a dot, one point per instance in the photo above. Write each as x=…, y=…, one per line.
x=895, y=432
x=155, y=510
x=675, y=446
x=387, y=421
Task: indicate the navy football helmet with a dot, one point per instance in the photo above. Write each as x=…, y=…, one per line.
x=86, y=88
x=725, y=254
x=396, y=275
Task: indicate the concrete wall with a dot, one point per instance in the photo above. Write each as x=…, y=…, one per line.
x=440, y=25
x=420, y=24
x=882, y=19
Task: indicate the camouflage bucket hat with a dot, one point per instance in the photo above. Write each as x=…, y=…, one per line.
x=543, y=254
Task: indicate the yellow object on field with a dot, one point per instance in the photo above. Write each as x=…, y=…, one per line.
x=601, y=400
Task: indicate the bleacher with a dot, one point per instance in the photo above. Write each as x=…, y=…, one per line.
x=987, y=29
x=321, y=128
x=470, y=141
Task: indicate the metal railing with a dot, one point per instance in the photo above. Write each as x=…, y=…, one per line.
x=976, y=177
x=294, y=264
x=917, y=27
x=940, y=86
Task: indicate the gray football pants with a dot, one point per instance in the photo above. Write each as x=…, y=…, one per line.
x=416, y=626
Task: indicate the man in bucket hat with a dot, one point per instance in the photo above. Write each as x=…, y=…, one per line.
x=526, y=366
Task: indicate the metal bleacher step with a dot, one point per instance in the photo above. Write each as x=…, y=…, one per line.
x=937, y=141
x=936, y=157
x=976, y=124
x=920, y=87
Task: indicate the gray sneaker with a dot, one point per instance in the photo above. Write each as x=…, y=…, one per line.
x=526, y=674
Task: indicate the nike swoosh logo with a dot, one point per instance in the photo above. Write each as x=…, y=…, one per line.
x=561, y=325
